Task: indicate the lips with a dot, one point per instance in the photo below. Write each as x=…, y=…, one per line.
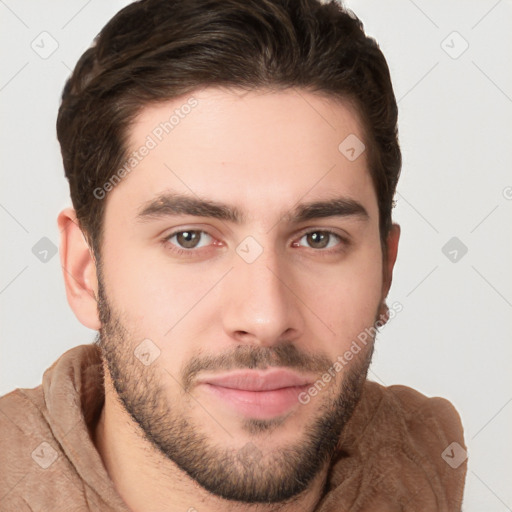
x=255, y=393
x=254, y=380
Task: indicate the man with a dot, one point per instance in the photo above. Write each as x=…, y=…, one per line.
x=232, y=166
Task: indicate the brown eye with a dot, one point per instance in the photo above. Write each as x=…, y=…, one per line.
x=188, y=239
x=321, y=239
x=318, y=239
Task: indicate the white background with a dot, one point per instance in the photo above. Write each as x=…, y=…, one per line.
x=453, y=337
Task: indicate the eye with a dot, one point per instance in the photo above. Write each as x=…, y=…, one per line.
x=189, y=239
x=320, y=239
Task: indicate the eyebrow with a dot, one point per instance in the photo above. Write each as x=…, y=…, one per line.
x=168, y=205
x=172, y=204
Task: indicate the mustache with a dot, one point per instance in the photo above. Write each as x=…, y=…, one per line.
x=246, y=357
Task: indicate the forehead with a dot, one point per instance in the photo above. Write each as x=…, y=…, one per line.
x=258, y=150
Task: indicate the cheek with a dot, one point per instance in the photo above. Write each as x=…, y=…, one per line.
x=347, y=296
x=155, y=304
x=146, y=288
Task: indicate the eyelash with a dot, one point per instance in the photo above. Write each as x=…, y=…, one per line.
x=344, y=242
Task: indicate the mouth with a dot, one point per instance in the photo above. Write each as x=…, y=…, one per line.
x=258, y=394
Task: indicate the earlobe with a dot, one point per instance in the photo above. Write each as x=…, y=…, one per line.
x=389, y=262
x=79, y=270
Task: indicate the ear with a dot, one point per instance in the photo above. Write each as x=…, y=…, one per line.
x=79, y=270
x=390, y=259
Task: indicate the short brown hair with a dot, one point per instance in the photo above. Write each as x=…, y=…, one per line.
x=155, y=50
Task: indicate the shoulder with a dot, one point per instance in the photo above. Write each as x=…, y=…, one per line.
x=431, y=436
x=422, y=415
x=26, y=442
x=410, y=447
x=21, y=416
x=43, y=434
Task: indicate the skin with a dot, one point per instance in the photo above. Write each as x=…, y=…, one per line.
x=165, y=441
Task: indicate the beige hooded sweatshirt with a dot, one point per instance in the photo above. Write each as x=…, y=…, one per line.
x=400, y=451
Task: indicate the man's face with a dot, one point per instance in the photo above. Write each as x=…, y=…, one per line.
x=189, y=294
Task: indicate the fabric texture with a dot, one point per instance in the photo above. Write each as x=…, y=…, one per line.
x=400, y=451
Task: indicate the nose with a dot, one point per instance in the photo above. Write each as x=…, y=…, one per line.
x=260, y=305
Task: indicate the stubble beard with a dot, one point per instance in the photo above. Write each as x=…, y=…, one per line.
x=245, y=474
